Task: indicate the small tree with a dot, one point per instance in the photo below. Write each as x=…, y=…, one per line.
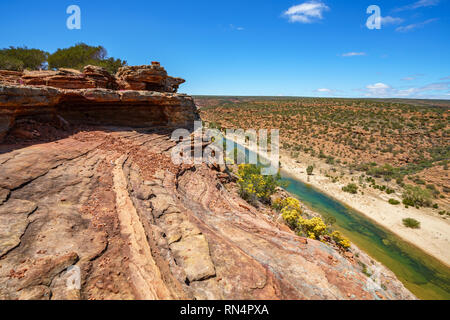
x=20, y=58
x=81, y=55
x=10, y=63
x=416, y=196
x=310, y=170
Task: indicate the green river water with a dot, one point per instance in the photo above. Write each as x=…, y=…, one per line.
x=423, y=275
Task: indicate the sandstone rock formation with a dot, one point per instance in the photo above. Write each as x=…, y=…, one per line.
x=152, y=77
x=86, y=180
x=69, y=96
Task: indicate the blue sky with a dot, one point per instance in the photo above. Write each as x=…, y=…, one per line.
x=296, y=48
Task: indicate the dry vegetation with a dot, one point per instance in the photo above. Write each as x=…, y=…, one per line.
x=401, y=141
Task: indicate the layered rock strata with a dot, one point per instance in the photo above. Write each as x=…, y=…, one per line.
x=84, y=98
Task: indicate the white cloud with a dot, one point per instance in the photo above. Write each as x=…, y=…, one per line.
x=390, y=20
x=419, y=4
x=324, y=90
x=353, y=54
x=307, y=12
x=378, y=89
x=382, y=90
x=413, y=26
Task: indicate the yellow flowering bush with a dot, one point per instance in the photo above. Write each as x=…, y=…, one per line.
x=290, y=203
x=253, y=185
x=291, y=216
x=290, y=210
x=313, y=228
x=340, y=240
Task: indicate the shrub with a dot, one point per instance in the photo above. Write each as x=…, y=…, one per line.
x=351, y=188
x=394, y=202
x=340, y=240
x=81, y=55
x=254, y=186
x=310, y=170
x=290, y=210
x=292, y=214
x=18, y=59
x=313, y=228
x=411, y=223
x=10, y=63
x=330, y=160
x=416, y=196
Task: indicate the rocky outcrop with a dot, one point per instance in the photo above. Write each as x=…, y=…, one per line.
x=10, y=77
x=91, y=77
x=89, y=196
x=95, y=106
x=142, y=78
x=152, y=77
x=72, y=97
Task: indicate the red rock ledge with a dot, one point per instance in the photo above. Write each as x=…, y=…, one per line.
x=137, y=96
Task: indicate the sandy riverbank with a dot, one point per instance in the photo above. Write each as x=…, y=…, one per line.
x=434, y=235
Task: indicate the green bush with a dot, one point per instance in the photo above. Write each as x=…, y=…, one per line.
x=310, y=170
x=415, y=196
x=389, y=191
x=330, y=160
x=10, y=63
x=75, y=57
x=394, y=202
x=411, y=223
x=254, y=186
x=351, y=188
x=20, y=58
x=81, y=55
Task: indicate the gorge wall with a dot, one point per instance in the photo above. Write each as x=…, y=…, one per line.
x=86, y=180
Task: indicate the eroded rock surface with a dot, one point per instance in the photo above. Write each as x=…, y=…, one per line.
x=111, y=202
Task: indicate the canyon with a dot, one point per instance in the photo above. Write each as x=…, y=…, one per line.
x=87, y=180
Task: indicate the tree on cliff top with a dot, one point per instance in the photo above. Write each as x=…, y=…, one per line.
x=20, y=58
x=80, y=55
